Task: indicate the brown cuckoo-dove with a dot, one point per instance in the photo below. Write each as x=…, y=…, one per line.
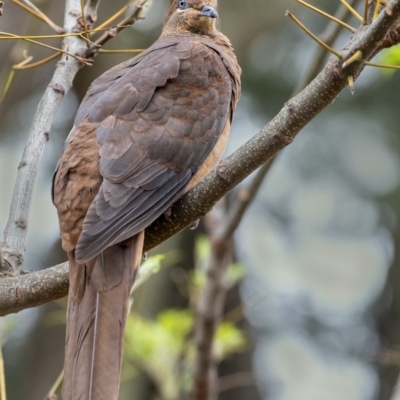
x=146, y=132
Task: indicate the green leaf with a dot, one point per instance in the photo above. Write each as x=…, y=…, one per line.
x=234, y=274
x=390, y=57
x=202, y=248
x=177, y=323
x=229, y=339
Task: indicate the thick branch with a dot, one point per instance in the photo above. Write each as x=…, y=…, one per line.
x=37, y=288
x=13, y=246
x=280, y=132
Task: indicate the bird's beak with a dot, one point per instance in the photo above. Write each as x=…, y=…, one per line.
x=208, y=11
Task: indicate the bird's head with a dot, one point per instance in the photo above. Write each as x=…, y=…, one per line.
x=191, y=16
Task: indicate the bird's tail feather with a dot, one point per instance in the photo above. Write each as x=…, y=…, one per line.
x=97, y=309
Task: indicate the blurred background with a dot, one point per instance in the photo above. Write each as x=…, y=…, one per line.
x=316, y=314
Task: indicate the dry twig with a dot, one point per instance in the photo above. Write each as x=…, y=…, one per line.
x=32, y=9
x=52, y=395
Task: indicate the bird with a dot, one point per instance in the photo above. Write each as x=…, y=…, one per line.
x=147, y=131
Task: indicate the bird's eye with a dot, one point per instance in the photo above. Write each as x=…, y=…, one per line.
x=182, y=4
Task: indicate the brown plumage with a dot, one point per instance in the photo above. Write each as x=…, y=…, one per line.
x=147, y=131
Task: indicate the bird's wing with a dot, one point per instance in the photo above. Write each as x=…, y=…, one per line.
x=158, y=120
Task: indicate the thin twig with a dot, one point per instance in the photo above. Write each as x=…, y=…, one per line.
x=110, y=20
x=105, y=51
x=31, y=8
x=52, y=395
x=314, y=37
x=352, y=10
x=3, y=395
x=357, y=56
x=90, y=11
x=365, y=19
x=372, y=64
x=244, y=199
x=331, y=17
x=85, y=27
x=350, y=80
x=38, y=63
x=276, y=135
x=11, y=76
x=7, y=86
x=78, y=58
x=376, y=11
x=136, y=14
x=57, y=36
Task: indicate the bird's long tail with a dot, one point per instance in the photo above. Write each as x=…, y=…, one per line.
x=98, y=304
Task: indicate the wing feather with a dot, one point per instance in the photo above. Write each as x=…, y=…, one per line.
x=158, y=120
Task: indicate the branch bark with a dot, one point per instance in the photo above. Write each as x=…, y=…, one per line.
x=280, y=132
x=18, y=293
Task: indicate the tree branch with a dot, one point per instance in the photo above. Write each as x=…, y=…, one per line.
x=13, y=246
x=280, y=132
x=208, y=314
x=18, y=293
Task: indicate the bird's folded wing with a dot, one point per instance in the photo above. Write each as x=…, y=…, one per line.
x=158, y=120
